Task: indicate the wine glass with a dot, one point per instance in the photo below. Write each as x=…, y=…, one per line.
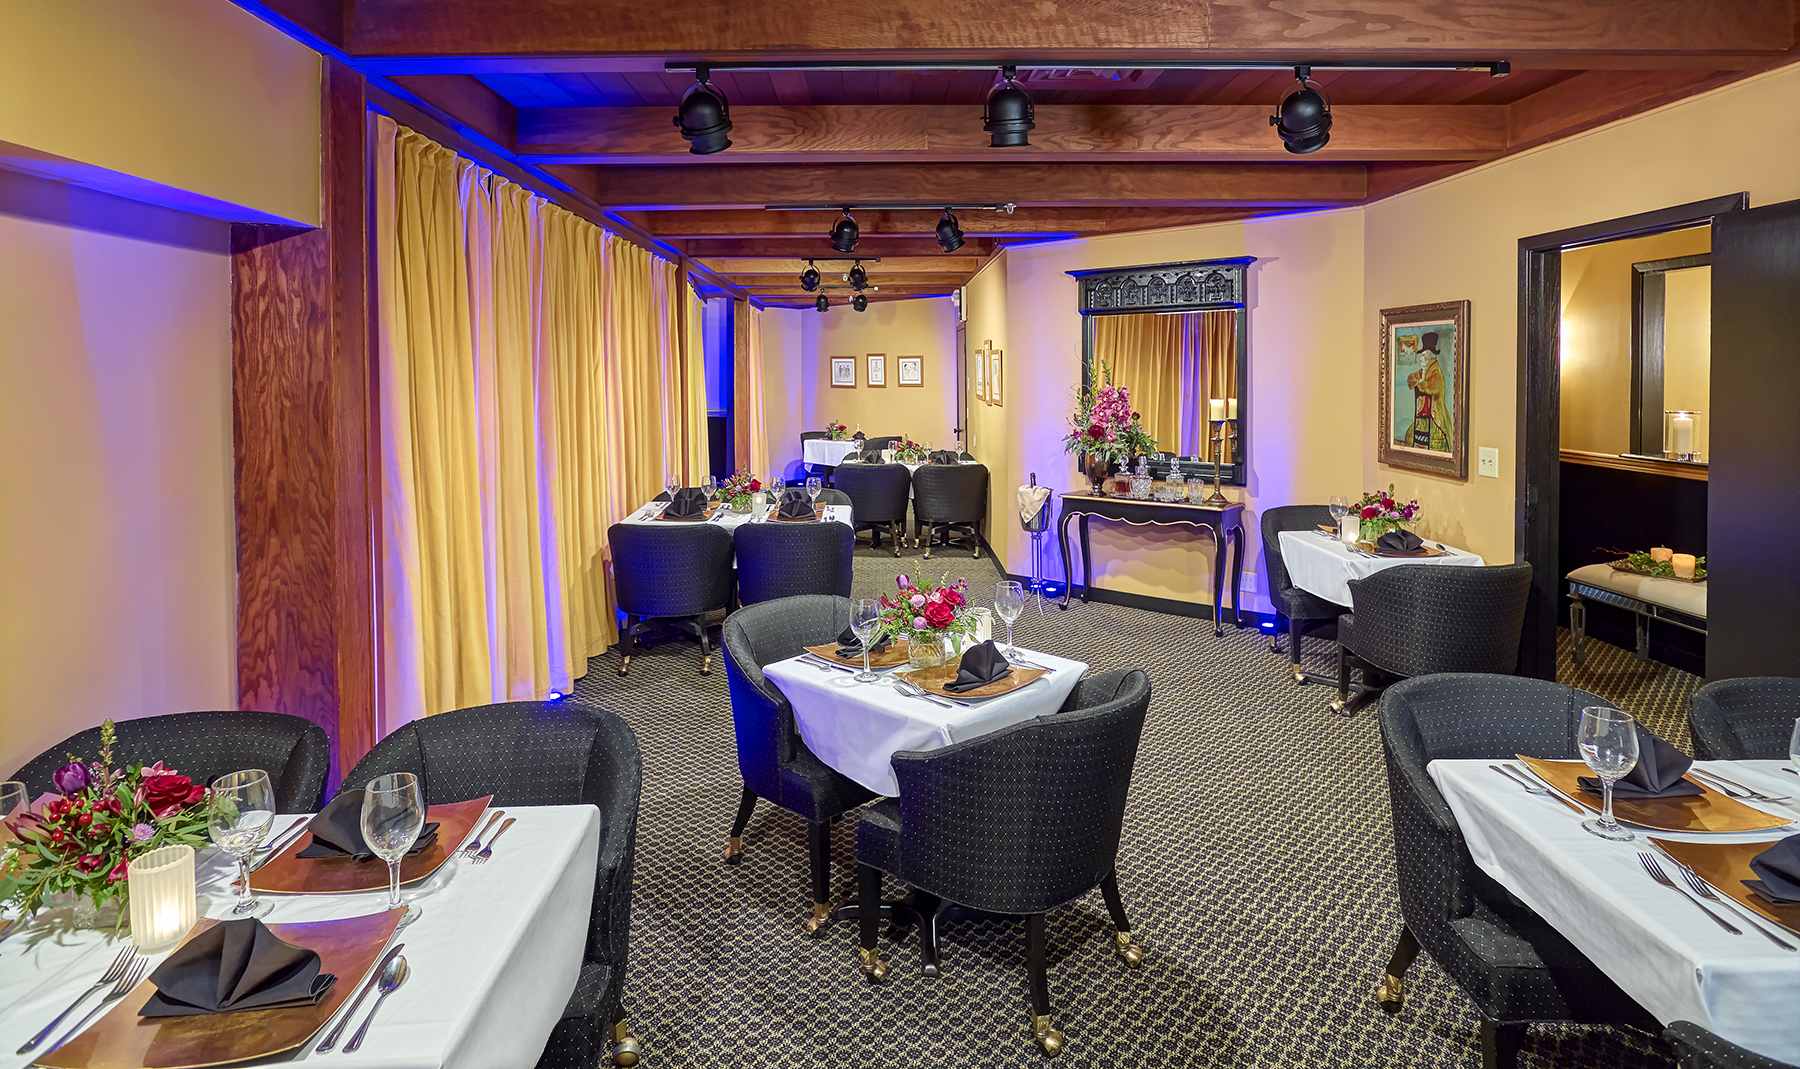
x=814, y=487
x=1009, y=602
x=1340, y=507
x=671, y=483
x=711, y=485
x=865, y=623
x=1793, y=753
x=240, y=808
x=776, y=485
x=393, y=814
x=1609, y=745
x=12, y=798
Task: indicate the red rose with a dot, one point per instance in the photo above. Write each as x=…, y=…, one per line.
x=169, y=794
x=90, y=862
x=951, y=597
x=938, y=614
x=1369, y=512
x=755, y=485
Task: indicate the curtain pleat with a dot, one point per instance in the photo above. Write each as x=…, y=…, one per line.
x=750, y=428
x=1173, y=365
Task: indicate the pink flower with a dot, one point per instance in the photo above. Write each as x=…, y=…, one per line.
x=119, y=872
x=918, y=601
x=142, y=833
x=918, y=623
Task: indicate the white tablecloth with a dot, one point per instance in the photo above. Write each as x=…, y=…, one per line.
x=824, y=451
x=494, y=956
x=856, y=728
x=1653, y=943
x=648, y=514
x=1322, y=565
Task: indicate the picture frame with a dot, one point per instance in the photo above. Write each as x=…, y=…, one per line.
x=1424, y=423
x=843, y=372
x=996, y=367
x=910, y=370
x=877, y=373
x=980, y=362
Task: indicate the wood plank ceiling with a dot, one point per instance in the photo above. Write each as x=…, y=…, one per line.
x=578, y=94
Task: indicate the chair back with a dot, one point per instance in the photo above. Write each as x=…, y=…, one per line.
x=876, y=445
x=1697, y=1048
x=807, y=436
x=950, y=493
x=828, y=496
x=762, y=634
x=1417, y=619
x=1744, y=719
x=1026, y=818
x=1286, y=518
x=203, y=746
x=780, y=560
x=878, y=492
x=670, y=569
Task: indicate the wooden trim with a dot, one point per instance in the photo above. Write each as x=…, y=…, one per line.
x=1642, y=465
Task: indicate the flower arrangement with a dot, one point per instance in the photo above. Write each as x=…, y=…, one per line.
x=83, y=841
x=737, y=489
x=836, y=432
x=1103, y=424
x=1381, y=513
x=923, y=610
x=907, y=451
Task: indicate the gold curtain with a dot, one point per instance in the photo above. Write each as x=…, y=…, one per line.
x=749, y=426
x=696, y=452
x=1143, y=353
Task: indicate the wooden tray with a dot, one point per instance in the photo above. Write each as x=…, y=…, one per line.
x=1619, y=565
x=120, y=1039
x=1708, y=811
x=288, y=874
x=1726, y=866
x=895, y=654
x=933, y=680
x=1422, y=551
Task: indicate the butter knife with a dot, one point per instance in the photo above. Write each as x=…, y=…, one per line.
x=331, y=1038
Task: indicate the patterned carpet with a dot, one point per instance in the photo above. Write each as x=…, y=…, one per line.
x=1256, y=864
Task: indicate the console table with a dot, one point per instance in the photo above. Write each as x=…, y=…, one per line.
x=1221, y=522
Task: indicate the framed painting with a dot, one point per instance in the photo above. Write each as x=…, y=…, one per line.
x=1425, y=388
x=843, y=372
x=980, y=362
x=911, y=370
x=996, y=363
x=877, y=369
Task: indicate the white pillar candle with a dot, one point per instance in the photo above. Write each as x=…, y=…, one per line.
x=1683, y=563
x=758, y=502
x=1350, y=527
x=1231, y=408
x=162, y=897
x=1681, y=429
x=1215, y=409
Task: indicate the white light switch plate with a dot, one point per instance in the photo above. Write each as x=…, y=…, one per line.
x=1487, y=460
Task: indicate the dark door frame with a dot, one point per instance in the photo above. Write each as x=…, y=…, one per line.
x=1648, y=297
x=1539, y=430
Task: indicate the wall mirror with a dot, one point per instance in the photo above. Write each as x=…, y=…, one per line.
x=1175, y=335
x=1671, y=357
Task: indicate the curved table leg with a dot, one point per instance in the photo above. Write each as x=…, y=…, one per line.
x=1087, y=562
x=1218, y=577
x=1237, y=573
x=1062, y=541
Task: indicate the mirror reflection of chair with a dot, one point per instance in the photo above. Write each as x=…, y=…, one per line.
x=669, y=576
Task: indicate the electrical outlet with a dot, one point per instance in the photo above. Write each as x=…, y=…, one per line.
x=1487, y=459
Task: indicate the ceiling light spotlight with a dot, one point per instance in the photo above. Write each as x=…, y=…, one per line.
x=823, y=303
x=844, y=233
x=949, y=235
x=1008, y=118
x=704, y=117
x=1303, y=120
x=860, y=302
x=809, y=278
x=858, y=278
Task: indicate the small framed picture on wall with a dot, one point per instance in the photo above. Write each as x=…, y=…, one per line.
x=980, y=361
x=996, y=363
x=877, y=369
x=911, y=370
x=843, y=372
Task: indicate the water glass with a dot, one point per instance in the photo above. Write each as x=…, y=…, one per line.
x=671, y=483
x=1009, y=602
x=865, y=624
x=240, y=808
x=815, y=486
x=1609, y=745
x=1340, y=507
x=393, y=814
x=711, y=485
x=12, y=798
x=776, y=485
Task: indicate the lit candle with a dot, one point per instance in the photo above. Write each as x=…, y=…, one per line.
x=1661, y=553
x=1683, y=563
x=1350, y=527
x=1231, y=408
x=161, y=885
x=758, y=502
x=1215, y=409
x=1681, y=429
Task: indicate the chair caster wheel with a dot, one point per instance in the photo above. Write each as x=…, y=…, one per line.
x=626, y=1050
x=820, y=919
x=1301, y=678
x=1048, y=1039
x=1129, y=952
x=930, y=969
x=1390, y=994
x=873, y=968
x=734, y=850
x=1339, y=706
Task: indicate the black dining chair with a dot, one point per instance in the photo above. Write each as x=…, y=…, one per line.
x=953, y=497
x=1741, y=719
x=1697, y=1048
x=1018, y=821
x=544, y=754
x=773, y=759
x=829, y=496
x=877, y=444
x=1507, y=960
x=878, y=499
x=669, y=576
x=1419, y=619
x=1298, y=610
x=821, y=470
x=203, y=746
x=780, y=560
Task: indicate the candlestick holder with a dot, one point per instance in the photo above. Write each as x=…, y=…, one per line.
x=1224, y=431
x=1681, y=427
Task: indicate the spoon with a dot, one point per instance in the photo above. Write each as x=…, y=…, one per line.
x=391, y=978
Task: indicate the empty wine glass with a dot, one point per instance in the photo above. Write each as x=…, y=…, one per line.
x=865, y=623
x=12, y=798
x=815, y=486
x=1609, y=745
x=711, y=485
x=671, y=483
x=1340, y=507
x=240, y=808
x=1009, y=602
x=1793, y=752
x=393, y=814
x=776, y=485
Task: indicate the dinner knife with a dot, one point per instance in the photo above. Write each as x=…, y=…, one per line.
x=282, y=842
x=331, y=1037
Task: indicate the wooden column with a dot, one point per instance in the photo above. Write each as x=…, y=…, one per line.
x=302, y=393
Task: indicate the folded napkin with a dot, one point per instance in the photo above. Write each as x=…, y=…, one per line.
x=1779, y=867
x=795, y=505
x=858, y=436
x=337, y=830
x=944, y=456
x=236, y=965
x=1400, y=541
x=981, y=665
x=1031, y=502
x=1657, y=773
x=848, y=646
x=689, y=503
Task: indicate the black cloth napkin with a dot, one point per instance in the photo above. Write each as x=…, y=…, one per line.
x=1657, y=773
x=1779, y=867
x=1399, y=541
x=981, y=664
x=943, y=456
x=858, y=436
x=689, y=503
x=337, y=830
x=795, y=505
x=236, y=965
x=849, y=647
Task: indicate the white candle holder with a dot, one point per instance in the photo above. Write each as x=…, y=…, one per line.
x=162, y=897
x=1681, y=429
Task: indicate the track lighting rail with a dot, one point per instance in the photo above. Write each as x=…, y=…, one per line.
x=1495, y=68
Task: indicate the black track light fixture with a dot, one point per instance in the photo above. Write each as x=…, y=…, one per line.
x=858, y=278
x=823, y=304
x=949, y=235
x=1303, y=119
x=845, y=232
x=1008, y=118
x=860, y=302
x=704, y=116
x=809, y=278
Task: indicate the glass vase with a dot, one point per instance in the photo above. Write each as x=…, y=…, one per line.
x=924, y=649
x=1097, y=470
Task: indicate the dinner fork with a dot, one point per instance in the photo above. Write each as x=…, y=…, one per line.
x=1704, y=890
x=1655, y=869
x=913, y=690
x=488, y=850
x=1735, y=789
x=113, y=972
x=134, y=975
x=1533, y=788
x=474, y=846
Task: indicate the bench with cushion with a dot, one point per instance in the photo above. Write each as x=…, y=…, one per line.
x=1673, y=601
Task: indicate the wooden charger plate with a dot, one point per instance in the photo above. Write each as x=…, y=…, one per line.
x=1726, y=866
x=1422, y=551
x=710, y=509
x=888, y=658
x=120, y=1039
x=933, y=680
x=818, y=514
x=1709, y=811
x=289, y=874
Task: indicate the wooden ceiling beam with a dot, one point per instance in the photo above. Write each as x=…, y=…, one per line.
x=717, y=232
x=909, y=265
x=1596, y=97
x=796, y=249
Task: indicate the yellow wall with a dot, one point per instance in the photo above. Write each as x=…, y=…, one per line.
x=117, y=557
x=1687, y=349
x=194, y=96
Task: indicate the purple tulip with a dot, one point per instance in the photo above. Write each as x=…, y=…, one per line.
x=142, y=833
x=902, y=581
x=72, y=779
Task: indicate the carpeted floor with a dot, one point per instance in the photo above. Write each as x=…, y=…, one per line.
x=1256, y=863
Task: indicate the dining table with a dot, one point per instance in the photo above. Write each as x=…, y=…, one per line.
x=827, y=452
x=1323, y=564
x=494, y=952
x=650, y=513
x=1649, y=939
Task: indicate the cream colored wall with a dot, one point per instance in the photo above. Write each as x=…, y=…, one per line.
x=784, y=412
x=197, y=97
x=1687, y=348
x=1596, y=334
x=117, y=557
